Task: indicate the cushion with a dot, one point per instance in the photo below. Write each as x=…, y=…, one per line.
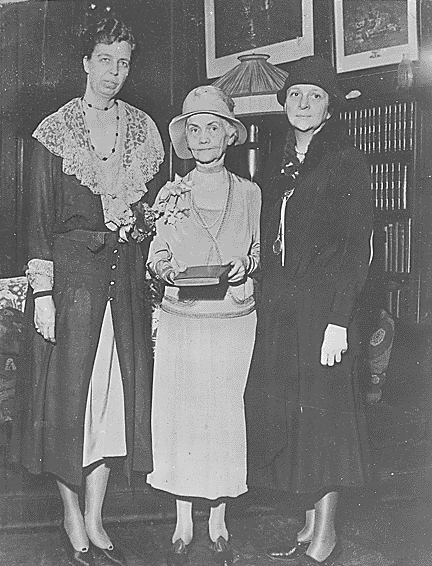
x=379, y=350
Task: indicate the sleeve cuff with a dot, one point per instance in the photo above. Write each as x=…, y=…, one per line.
x=339, y=319
x=40, y=274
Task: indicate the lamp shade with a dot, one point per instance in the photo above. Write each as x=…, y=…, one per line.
x=253, y=85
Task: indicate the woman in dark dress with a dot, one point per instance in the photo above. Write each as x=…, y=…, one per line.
x=87, y=393
x=306, y=431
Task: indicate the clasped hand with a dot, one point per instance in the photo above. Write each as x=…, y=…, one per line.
x=334, y=344
x=44, y=317
x=238, y=269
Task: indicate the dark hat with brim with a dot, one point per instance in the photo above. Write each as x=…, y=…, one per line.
x=317, y=71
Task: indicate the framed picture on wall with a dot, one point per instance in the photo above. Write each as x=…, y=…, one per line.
x=371, y=33
x=282, y=29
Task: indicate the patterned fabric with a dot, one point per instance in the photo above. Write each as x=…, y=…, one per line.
x=379, y=350
x=64, y=134
x=13, y=291
x=12, y=298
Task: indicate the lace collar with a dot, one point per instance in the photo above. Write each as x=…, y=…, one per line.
x=63, y=133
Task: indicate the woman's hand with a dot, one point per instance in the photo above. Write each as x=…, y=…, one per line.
x=334, y=344
x=168, y=270
x=44, y=317
x=239, y=269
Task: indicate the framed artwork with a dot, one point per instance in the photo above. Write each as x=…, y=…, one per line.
x=371, y=33
x=282, y=29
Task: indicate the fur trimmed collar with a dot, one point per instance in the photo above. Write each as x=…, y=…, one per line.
x=332, y=138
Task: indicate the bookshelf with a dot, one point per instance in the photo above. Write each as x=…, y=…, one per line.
x=388, y=133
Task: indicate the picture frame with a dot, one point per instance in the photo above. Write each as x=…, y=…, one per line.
x=282, y=29
x=372, y=33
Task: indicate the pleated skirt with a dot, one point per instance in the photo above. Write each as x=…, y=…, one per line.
x=198, y=420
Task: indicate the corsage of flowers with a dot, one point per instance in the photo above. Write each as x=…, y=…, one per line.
x=168, y=205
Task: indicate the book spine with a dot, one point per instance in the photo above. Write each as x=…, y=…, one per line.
x=379, y=132
x=402, y=247
x=386, y=128
x=390, y=248
x=408, y=247
x=411, y=128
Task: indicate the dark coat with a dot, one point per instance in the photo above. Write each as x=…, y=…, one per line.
x=87, y=274
x=305, y=429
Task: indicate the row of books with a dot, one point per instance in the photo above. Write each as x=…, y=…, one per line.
x=397, y=246
x=389, y=184
x=382, y=128
x=396, y=298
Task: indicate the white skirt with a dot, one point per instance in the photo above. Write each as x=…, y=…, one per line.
x=104, y=423
x=198, y=422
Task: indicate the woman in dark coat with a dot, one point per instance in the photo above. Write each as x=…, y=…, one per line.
x=306, y=432
x=86, y=371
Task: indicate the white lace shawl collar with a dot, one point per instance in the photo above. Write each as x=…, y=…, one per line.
x=63, y=133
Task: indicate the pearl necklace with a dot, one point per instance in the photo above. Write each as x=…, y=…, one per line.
x=89, y=132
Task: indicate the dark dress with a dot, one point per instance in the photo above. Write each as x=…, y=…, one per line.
x=90, y=268
x=305, y=426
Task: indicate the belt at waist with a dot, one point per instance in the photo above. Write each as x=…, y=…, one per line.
x=94, y=240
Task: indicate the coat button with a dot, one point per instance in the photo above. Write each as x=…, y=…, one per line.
x=112, y=282
x=114, y=267
x=115, y=251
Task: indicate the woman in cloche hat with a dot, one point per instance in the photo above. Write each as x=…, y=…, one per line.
x=306, y=433
x=206, y=333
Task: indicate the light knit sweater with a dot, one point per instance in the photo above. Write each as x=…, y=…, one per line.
x=188, y=242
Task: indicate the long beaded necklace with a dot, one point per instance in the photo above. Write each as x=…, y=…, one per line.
x=89, y=132
x=219, y=217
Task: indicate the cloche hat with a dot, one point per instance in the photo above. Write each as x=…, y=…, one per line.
x=313, y=70
x=203, y=100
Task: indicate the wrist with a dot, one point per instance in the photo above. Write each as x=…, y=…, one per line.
x=40, y=294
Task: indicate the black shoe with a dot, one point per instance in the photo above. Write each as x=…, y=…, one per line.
x=329, y=561
x=109, y=557
x=75, y=557
x=178, y=554
x=290, y=553
x=222, y=552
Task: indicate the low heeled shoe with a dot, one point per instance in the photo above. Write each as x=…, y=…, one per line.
x=289, y=553
x=109, y=556
x=222, y=553
x=178, y=554
x=329, y=561
x=75, y=557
